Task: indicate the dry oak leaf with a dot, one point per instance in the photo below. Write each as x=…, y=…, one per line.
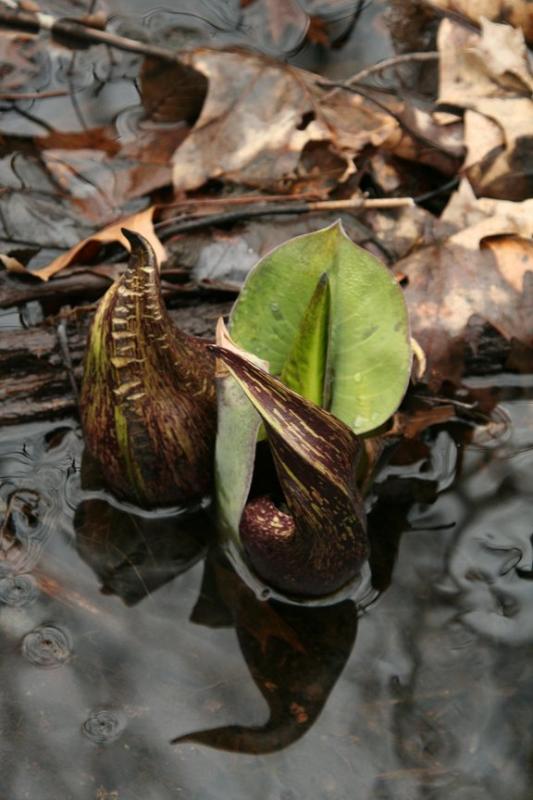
x=517, y=12
x=141, y=222
x=488, y=75
x=479, y=272
x=477, y=218
x=258, y=118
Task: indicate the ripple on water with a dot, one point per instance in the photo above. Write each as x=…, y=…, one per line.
x=18, y=590
x=47, y=646
x=104, y=726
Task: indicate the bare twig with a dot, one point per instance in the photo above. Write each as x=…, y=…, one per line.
x=33, y=95
x=174, y=226
x=36, y=22
x=240, y=200
x=387, y=63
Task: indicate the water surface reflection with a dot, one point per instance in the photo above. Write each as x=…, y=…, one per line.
x=119, y=637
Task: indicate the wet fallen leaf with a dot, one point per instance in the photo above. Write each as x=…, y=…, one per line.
x=100, y=173
x=400, y=230
x=30, y=217
x=412, y=423
x=23, y=63
x=488, y=75
x=142, y=223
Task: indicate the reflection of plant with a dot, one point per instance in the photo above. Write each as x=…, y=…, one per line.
x=319, y=353
x=295, y=656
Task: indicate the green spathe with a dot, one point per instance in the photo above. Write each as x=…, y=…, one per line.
x=365, y=359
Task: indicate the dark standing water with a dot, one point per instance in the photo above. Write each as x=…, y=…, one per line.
x=118, y=637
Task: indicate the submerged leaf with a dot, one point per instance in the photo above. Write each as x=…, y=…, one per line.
x=148, y=395
x=320, y=544
x=368, y=346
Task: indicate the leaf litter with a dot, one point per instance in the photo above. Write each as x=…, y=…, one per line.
x=226, y=123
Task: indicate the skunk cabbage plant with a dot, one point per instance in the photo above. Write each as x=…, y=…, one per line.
x=329, y=323
x=319, y=543
x=318, y=355
x=148, y=402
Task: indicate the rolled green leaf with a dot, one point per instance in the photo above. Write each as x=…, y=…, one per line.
x=305, y=368
x=318, y=544
x=148, y=400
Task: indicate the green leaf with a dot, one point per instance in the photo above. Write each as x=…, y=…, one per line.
x=237, y=428
x=368, y=344
x=320, y=545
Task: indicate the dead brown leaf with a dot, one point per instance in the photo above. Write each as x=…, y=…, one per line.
x=477, y=218
x=22, y=62
x=99, y=174
x=517, y=12
x=488, y=75
x=479, y=272
x=411, y=424
x=258, y=118
x=141, y=222
x=11, y=264
x=420, y=139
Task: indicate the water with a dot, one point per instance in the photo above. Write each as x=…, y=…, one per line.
x=135, y=664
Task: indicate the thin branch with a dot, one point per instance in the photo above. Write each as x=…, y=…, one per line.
x=173, y=227
x=33, y=95
x=34, y=23
x=394, y=61
x=240, y=200
x=446, y=187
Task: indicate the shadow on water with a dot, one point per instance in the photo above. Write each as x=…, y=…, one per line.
x=135, y=662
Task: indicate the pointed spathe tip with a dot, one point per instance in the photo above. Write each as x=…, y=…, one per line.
x=142, y=251
x=135, y=239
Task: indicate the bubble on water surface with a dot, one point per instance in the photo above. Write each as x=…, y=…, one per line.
x=17, y=590
x=47, y=646
x=104, y=726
